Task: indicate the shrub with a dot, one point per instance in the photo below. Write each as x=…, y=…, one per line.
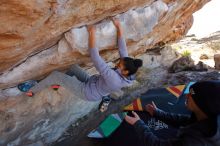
x=186, y=53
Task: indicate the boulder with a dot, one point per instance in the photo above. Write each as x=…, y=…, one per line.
x=204, y=56
x=217, y=61
x=186, y=63
x=38, y=37
x=182, y=64
x=45, y=116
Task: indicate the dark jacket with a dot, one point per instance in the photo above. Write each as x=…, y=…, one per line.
x=191, y=132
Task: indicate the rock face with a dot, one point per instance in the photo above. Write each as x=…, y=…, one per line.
x=217, y=61
x=43, y=117
x=37, y=37
x=32, y=43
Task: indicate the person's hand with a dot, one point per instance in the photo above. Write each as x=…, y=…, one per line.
x=132, y=120
x=116, y=22
x=151, y=108
x=92, y=40
x=91, y=29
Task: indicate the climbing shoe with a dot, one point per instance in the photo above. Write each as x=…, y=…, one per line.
x=103, y=106
x=24, y=87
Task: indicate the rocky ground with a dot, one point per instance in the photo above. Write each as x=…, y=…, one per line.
x=154, y=74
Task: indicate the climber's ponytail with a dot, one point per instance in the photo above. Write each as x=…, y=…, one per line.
x=132, y=65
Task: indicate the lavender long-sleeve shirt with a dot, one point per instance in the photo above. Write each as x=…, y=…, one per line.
x=108, y=80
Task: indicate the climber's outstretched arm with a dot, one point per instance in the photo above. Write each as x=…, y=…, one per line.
x=92, y=39
x=99, y=63
x=121, y=41
x=117, y=24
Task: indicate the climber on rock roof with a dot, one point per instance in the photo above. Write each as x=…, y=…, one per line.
x=109, y=79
